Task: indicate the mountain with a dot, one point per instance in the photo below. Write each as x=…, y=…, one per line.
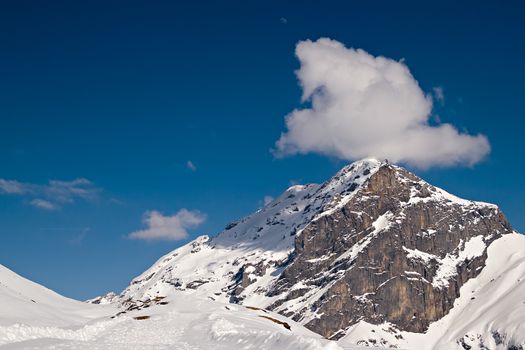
x=373, y=245
x=375, y=256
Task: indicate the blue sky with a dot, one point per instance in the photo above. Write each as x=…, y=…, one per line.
x=124, y=94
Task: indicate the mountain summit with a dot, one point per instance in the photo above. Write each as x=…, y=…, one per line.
x=373, y=244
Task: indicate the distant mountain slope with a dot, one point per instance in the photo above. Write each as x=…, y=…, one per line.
x=375, y=243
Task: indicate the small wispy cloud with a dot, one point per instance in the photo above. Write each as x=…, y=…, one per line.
x=67, y=191
x=168, y=228
x=283, y=20
x=79, y=238
x=438, y=94
x=191, y=166
x=267, y=200
x=52, y=195
x=294, y=182
x=76, y=235
x=13, y=187
x=43, y=204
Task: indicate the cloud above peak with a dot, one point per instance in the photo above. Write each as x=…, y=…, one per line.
x=168, y=228
x=365, y=106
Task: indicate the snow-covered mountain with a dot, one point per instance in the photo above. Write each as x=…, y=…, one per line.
x=373, y=245
x=247, y=257
x=375, y=256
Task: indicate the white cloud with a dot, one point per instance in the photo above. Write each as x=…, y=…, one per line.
x=191, y=166
x=366, y=106
x=438, y=94
x=294, y=182
x=267, y=200
x=67, y=191
x=13, y=187
x=169, y=228
x=43, y=204
x=52, y=195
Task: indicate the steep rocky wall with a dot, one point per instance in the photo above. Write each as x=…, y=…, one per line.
x=381, y=281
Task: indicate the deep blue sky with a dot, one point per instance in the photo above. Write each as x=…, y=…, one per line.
x=125, y=93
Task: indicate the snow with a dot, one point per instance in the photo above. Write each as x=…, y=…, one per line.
x=182, y=322
x=32, y=304
x=448, y=266
x=419, y=255
x=357, y=173
x=108, y=298
x=440, y=195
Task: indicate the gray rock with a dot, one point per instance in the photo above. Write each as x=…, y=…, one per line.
x=374, y=285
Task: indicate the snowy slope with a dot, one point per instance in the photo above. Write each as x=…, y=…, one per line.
x=34, y=317
x=30, y=303
x=181, y=323
x=490, y=314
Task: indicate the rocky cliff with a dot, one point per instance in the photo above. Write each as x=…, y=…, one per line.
x=397, y=251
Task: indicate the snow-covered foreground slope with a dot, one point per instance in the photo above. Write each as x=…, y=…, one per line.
x=490, y=313
x=27, y=302
x=184, y=323
x=33, y=317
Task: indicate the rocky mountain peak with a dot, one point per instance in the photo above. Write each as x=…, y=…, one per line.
x=374, y=243
x=397, y=251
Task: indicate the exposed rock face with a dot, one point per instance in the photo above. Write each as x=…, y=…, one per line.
x=246, y=275
x=374, y=243
x=379, y=258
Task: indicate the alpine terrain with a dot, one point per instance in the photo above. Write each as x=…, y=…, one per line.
x=375, y=256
